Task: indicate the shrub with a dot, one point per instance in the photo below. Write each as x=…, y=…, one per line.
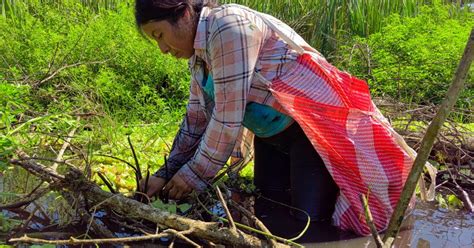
x=413, y=59
x=101, y=60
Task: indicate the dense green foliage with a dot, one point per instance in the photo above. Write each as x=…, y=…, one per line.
x=414, y=59
x=326, y=25
x=60, y=60
x=102, y=62
x=82, y=65
x=87, y=56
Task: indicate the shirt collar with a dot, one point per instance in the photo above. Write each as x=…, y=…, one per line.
x=200, y=39
x=201, y=31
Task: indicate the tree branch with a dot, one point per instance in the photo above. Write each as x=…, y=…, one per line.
x=370, y=221
x=75, y=241
x=74, y=180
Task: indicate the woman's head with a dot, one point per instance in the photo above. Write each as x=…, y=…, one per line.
x=172, y=23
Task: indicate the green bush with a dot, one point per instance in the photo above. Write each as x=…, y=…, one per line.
x=413, y=59
x=101, y=60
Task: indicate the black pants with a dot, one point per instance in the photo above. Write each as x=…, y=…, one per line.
x=289, y=170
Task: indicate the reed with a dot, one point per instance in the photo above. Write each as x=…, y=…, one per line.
x=327, y=23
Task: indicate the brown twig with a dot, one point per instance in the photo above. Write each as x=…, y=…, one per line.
x=98, y=229
x=50, y=76
x=36, y=169
x=181, y=236
x=463, y=195
x=370, y=221
x=33, y=196
x=76, y=182
x=75, y=241
x=66, y=143
x=227, y=212
x=255, y=220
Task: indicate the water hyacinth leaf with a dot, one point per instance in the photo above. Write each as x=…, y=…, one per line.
x=183, y=208
x=171, y=207
x=441, y=201
x=454, y=202
x=158, y=204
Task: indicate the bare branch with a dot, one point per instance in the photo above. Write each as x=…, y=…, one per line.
x=76, y=182
x=27, y=200
x=53, y=74
x=227, y=212
x=256, y=221
x=370, y=221
x=75, y=241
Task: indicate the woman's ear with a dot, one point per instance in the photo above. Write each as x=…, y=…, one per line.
x=187, y=12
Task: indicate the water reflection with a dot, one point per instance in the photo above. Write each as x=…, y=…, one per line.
x=427, y=227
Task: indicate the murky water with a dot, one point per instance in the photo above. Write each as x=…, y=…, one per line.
x=427, y=227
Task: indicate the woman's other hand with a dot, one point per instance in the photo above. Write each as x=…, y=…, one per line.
x=177, y=188
x=154, y=187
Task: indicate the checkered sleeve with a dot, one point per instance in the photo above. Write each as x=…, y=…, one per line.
x=186, y=141
x=234, y=45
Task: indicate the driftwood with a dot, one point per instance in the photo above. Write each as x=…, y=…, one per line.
x=74, y=181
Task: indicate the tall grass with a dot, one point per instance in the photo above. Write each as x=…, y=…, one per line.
x=327, y=23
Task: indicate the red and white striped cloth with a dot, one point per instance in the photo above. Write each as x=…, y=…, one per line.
x=361, y=151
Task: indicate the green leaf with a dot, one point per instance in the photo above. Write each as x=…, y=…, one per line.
x=158, y=204
x=184, y=207
x=441, y=201
x=171, y=207
x=454, y=202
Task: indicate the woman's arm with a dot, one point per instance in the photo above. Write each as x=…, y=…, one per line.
x=187, y=139
x=234, y=45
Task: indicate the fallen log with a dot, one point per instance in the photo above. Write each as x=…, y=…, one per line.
x=75, y=181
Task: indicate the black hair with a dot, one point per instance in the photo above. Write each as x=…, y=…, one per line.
x=170, y=10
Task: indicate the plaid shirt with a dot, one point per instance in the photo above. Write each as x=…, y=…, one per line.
x=250, y=63
x=235, y=44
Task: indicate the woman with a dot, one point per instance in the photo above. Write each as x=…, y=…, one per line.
x=318, y=136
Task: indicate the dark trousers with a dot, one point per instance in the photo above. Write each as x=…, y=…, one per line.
x=289, y=170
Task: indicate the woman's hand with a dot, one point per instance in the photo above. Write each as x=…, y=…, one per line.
x=154, y=187
x=177, y=188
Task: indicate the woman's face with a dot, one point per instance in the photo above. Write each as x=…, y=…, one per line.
x=176, y=39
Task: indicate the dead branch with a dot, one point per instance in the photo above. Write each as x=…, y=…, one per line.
x=100, y=230
x=227, y=212
x=54, y=73
x=41, y=171
x=75, y=181
x=75, y=241
x=370, y=221
x=33, y=196
x=255, y=220
x=463, y=194
x=66, y=143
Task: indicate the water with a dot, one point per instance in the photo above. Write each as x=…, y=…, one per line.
x=427, y=227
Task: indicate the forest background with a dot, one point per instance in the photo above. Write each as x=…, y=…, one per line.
x=80, y=72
